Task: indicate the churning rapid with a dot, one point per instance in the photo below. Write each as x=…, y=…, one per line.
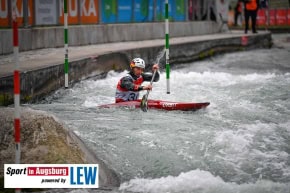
x=240, y=143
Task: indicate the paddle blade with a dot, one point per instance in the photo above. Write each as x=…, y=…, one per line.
x=144, y=103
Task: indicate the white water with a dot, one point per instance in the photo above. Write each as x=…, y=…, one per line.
x=240, y=143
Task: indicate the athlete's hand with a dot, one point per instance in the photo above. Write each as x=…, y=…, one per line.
x=148, y=87
x=155, y=67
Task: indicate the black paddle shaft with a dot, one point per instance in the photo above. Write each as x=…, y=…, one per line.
x=144, y=101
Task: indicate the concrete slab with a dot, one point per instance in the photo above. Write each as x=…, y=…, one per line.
x=36, y=59
x=102, y=33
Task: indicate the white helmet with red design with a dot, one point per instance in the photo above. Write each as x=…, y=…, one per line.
x=137, y=62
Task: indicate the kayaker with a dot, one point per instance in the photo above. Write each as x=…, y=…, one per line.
x=129, y=86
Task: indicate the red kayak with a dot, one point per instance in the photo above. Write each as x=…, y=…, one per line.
x=159, y=104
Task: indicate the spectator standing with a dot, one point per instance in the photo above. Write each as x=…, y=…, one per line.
x=251, y=10
x=238, y=11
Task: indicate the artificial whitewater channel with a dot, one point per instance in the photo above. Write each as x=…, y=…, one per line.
x=240, y=143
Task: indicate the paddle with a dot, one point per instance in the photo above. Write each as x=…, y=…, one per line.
x=144, y=101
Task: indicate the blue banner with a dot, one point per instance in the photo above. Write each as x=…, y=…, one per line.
x=160, y=10
x=178, y=10
x=125, y=11
x=143, y=10
x=109, y=11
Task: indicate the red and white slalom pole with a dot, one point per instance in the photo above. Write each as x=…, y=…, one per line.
x=16, y=93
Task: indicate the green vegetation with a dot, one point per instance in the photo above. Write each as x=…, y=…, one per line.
x=211, y=52
x=5, y=99
x=201, y=55
x=27, y=98
x=206, y=53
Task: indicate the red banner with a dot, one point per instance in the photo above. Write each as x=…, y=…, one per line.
x=261, y=18
x=281, y=16
x=272, y=14
x=288, y=17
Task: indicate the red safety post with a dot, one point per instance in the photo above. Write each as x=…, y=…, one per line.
x=16, y=93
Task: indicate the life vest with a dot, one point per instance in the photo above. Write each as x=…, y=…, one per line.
x=122, y=94
x=251, y=5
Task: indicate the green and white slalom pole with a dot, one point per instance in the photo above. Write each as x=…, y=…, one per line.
x=167, y=47
x=65, y=45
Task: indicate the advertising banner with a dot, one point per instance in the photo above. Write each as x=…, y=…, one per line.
x=45, y=12
x=125, y=11
x=72, y=10
x=4, y=20
x=178, y=10
x=160, y=10
x=288, y=16
x=272, y=14
x=80, y=12
x=261, y=17
x=281, y=17
x=109, y=11
x=5, y=14
x=89, y=11
x=143, y=10
x=51, y=175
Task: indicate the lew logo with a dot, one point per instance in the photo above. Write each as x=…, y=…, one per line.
x=83, y=175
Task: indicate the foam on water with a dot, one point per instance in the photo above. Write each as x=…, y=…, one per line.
x=199, y=181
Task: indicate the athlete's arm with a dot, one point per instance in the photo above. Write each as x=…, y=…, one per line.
x=128, y=84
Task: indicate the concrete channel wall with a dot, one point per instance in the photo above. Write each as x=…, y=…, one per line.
x=36, y=84
x=53, y=37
